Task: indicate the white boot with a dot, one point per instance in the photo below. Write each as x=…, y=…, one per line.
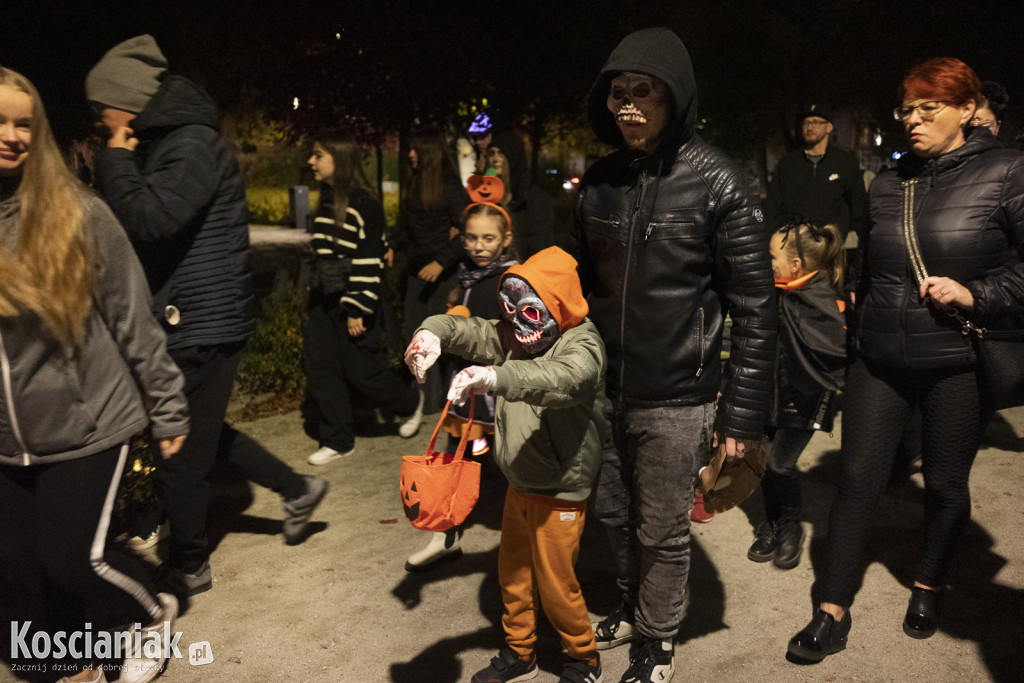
x=443, y=545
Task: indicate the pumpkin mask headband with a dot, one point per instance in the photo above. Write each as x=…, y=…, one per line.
x=486, y=190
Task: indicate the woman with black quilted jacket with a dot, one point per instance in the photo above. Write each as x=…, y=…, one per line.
x=944, y=246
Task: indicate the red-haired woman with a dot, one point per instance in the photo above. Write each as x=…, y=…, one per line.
x=960, y=196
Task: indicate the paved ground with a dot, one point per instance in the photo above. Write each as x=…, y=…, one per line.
x=340, y=607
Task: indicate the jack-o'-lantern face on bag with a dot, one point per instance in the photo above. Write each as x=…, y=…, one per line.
x=534, y=326
x=410, y=499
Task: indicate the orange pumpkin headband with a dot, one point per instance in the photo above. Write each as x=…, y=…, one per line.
x=487, y=190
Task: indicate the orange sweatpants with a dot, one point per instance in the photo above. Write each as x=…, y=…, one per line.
x=540, y=541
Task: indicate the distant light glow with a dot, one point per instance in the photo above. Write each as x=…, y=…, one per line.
x=567, y=185
x=295, y=103
x=337, y=36
x=878, y=139
x=551, y=171
x=897, y=155
x=574, y=180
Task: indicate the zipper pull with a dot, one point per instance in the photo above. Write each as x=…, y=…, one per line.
x=650, y=227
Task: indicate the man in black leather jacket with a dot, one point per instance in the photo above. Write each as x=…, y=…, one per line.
x=669, y=238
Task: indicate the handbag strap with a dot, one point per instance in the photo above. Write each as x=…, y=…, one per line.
x=917, y=260
x=465, y=433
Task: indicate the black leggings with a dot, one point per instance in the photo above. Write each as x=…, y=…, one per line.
x=879, y=402
x=53, y=531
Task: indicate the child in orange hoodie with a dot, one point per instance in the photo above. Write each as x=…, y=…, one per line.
x=545, y=363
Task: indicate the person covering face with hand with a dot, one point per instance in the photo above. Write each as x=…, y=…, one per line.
x=546, y=370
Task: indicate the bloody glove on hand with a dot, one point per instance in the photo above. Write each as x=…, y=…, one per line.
x=478, y=378
x=423, y=351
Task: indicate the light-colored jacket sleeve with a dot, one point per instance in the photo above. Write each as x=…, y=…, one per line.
x=475, y=339
x=567, y=374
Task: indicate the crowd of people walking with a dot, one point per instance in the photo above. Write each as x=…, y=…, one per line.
x=594, y=370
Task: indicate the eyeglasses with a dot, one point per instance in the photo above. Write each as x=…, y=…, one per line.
x=927, y=110
x=986, y=123
x=486, y=240
x=815, y=124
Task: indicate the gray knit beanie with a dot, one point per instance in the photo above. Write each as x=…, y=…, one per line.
x=127, y=76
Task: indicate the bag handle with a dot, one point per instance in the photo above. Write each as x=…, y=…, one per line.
x=465, y=433
x=917, y=260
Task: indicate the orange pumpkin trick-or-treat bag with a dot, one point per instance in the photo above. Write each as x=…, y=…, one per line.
x=439, y=489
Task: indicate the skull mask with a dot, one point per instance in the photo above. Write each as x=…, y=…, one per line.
x=640, y=105
x=534, y=327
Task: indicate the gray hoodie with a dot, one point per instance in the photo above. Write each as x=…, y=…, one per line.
x=59, y=405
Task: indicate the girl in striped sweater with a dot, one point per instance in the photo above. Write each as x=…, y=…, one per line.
x=344, y=339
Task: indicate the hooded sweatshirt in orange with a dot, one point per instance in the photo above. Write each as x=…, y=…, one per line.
x=552, y=274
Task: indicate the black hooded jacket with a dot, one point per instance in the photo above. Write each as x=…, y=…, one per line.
x=667, y=245
x=968, y=211
x=181, y=199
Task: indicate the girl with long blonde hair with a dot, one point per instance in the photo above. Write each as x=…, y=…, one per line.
x=79, y=350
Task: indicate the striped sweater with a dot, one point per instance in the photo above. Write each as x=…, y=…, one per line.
x=357, y=247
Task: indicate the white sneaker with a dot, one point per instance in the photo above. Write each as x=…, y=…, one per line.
x=411, y=424
x=144, y=669
x=160, y=533
x=100, y=678
x=326, y=455
x=443, y=545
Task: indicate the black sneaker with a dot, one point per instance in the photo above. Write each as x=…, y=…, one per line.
x=764, y=546
x=183, y=584
x=650, y=661
x=578, y=671
x=615, y=629
x=507, y=668
x=789, y=545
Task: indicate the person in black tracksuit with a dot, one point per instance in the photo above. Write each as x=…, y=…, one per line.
x=818, y=183
x=344, y=336
x=175, y=186
x=807, y=262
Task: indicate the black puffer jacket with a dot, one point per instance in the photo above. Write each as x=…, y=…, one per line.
x=969, y=215
x=667, y=244
x=181, y=199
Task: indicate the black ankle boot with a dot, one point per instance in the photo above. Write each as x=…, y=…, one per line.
x=820, y=638
x=763, y=547
x=922, y=613
x=790, y=545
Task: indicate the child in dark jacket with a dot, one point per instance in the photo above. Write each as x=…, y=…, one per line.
x=807, y=261
x=546, y=366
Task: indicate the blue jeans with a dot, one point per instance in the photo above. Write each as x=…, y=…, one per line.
x=644, y=495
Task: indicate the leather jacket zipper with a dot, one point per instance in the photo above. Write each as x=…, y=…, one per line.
x=5, y=365
x=700, y=340
x=625, y=277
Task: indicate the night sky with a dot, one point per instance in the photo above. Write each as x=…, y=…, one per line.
x=752, y=57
